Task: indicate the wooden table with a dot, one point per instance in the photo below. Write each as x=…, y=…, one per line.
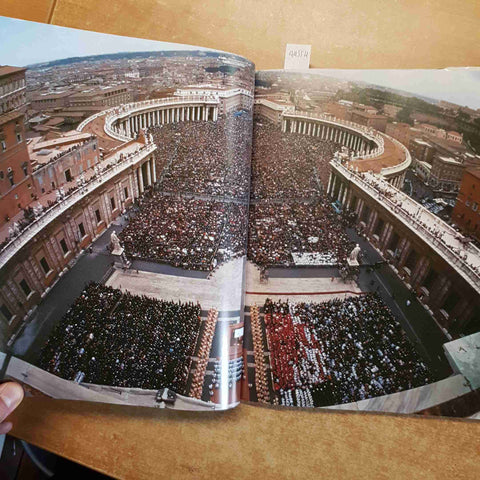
x=251, y=441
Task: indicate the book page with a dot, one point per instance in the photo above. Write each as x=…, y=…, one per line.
x=363, y=272
x=125, y=176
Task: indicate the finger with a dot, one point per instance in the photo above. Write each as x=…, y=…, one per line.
x=5, y=427
x=11, y=394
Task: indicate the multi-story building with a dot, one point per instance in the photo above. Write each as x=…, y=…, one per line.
x=49, y=101
x=230, y=99
x=446, y=173
x=38, y=256
x=421, y=150
x=400, y=131
x=433, y=130
x=466, y=213
x=272, y=110
x=59, y=162
x=16, y=186
x=368, y=119
x=448, y=105
x=453, y=136
x=340, y=110
x=101, y=97
x=12, y=88
x=436, y=262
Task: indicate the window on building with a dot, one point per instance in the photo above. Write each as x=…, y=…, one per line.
x=112, y=203
x=25, y=287
x=64, y=246
x=4, y=145
x=98, y=216
x=81, y=229
x=68, y=175
x=475, y=206
x=125, y=190
x=45, y=265
x=6, y=312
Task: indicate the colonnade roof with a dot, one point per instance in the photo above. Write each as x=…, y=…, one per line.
x=392, y=155
x=441, y=237
x=95, y=127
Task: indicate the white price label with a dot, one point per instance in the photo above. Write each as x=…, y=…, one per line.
x=297, y=57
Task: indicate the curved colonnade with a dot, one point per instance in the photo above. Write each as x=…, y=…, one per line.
x=45, y=249
x=369, y=149
x=125, y=122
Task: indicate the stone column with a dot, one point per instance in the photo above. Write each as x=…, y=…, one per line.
x=140, y=179
x=387, y=235
x=372, y=222
x=334, y=182
x=359, y=209
x=329, y=183
x=419, y=272
x=154, y=170
x=340, y=191
x=149, y=175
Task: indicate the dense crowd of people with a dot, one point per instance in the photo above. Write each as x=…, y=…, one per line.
x=210, y=158
x=291, y=219
x=108, y=337
x=288, y=165
x=339, y=351
x=186, y=232
x=276, y=231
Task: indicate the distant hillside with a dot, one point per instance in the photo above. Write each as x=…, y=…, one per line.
x=130, y=55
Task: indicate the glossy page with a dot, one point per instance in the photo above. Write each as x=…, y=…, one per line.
x=125, y=176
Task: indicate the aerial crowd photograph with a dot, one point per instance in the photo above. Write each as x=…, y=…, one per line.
x=180, y=231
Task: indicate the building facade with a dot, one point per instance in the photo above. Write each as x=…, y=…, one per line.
x=466, y=213
x=37, y=257
x=16, y=186
x=429, y=256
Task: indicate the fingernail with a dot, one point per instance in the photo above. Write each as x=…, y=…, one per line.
x=11, y=394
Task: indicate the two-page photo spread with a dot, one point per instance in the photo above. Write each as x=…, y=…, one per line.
x=180, y=231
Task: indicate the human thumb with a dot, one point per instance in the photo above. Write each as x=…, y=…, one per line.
x=11, y=394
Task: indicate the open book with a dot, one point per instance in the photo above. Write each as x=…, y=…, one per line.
x=180, y=231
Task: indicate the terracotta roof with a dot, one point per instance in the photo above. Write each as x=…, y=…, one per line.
x=393, y=155
x=7, y=70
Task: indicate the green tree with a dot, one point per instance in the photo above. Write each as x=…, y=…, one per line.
x=404, y=115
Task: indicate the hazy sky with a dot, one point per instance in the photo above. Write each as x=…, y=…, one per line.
x=23, y=43
x=457, y=85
